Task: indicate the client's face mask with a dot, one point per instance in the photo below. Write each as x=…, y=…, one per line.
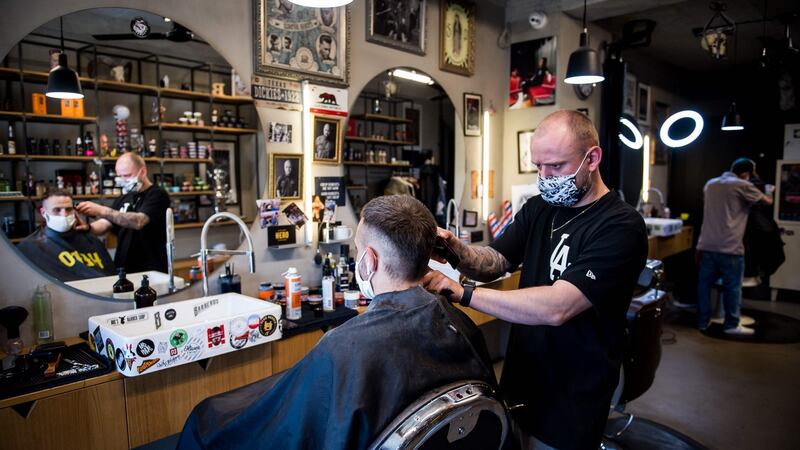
x=60, y=224
x=365, y=286
x=562, y=190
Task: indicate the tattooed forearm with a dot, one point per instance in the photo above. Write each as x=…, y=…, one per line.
x=133, y=220
x=482, y=263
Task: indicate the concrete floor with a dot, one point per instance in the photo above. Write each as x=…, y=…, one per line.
x=726, y=394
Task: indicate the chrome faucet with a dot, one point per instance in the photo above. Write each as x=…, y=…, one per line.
x=170, y=249
x=204, y=251
x=457, y=227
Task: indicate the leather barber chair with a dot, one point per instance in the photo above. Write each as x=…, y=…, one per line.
x=462, y=415
x=643, y=347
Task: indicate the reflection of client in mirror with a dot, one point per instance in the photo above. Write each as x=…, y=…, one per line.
x=60, y=250
x=138, y=218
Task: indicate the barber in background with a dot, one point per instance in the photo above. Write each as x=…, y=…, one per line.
x=727, y=202
x=581, y=250
x=138, y=218
x=58, y=249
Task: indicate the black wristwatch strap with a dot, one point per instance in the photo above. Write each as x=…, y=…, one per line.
x=469, y=287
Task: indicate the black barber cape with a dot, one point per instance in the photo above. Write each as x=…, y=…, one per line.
x=565, y=375
x=67, y=256
x=352, y=384
x=145, y=249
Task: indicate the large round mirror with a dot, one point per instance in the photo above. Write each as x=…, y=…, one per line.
x=71, y=203
x=400, y=139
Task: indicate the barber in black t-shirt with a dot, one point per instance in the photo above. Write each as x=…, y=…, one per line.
x=581, y=250
x=138, y=218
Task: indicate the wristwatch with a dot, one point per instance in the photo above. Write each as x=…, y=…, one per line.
x=466, y=297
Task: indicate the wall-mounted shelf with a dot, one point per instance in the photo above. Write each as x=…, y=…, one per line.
x=46, y=118
x=377, y=141
x=171, y=126
x=67, y=158
x=283, y=247
x=190, y=193
x=380, y=118
x=221, y=223
x=361, y=163
x=37, y=198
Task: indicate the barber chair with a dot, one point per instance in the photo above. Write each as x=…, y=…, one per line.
x=643, y=347
x=462, y=415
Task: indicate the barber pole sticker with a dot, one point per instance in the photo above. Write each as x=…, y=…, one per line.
x=216, y=336
x=146, y=364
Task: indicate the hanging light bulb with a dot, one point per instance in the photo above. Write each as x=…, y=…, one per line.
x=321, y=3
x=62, y=82
x=584, y=66
x=732, y=121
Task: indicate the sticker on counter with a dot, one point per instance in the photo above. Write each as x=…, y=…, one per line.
x=121, y=320
x=240, y=341
x=254, y=335
x=120, y=359
x=110, y=349
x=170, y=314
x=216, y=336
x=253, y=321
x=162, y=347
x=238, y=326
x=178, y=337
x=173, y=351
x=91, y=343
x=267, y=325
x=146, y=364
x=190, y=352
x=157, y=319
x=204, y=306
x=145, y=348
x=130, y=357
x=98, y=339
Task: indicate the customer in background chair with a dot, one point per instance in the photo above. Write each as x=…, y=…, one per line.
x=361, y=375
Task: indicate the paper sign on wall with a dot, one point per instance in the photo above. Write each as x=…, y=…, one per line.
x=279, y=94
x=328, y=100
x=332, y=188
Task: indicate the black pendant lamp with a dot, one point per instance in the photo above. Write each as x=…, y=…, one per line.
x=62, y=82
x=732, y=121
x=584, y=65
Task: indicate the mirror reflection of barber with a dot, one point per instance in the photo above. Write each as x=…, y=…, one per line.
x=137, y=218
x=59, y=249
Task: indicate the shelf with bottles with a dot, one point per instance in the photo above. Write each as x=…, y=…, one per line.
x=377, y=140
x=173, y=126
x=372, y=117
x=23, y=198
x=14, y=116
x=66, y=158
x=405, y=165
x=31, y=76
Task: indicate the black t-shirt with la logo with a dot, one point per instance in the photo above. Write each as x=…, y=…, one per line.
x=145, y=249
x=567, y=374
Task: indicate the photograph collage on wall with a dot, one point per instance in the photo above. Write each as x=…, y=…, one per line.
x=398, y=24
x=533, y=76
x=298, y=42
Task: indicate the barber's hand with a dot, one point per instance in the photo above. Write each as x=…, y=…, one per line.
x=451, y=240
x=434, y=281
x=81, y=225
x=92, y=209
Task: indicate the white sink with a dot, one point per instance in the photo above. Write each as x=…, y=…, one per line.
x=104, y=286
x=146, y=340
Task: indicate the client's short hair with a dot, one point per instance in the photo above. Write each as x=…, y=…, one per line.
x=405, y=230
x=55, y=192
x=743, y=165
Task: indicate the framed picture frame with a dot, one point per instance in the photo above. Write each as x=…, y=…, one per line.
x=301, y=43
x=185, y=211
x=473, y=112
x=533, y=73
x=457, y=36
x=643, y=105
x=630, y=95
x=286, y=176
x=469, y=218
x=398, y=24
x=327, y=140
x=524, y=151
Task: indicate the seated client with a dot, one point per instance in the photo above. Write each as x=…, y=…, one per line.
x=59, y=249
x=361, y=375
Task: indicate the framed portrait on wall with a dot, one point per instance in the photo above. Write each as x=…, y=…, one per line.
x=327, y=139
x=629, y=98
x=473, y=109
x=286, y=174
x=457, y=36
x=399, y=24
x=643, y=105
x=533, y=72
x=524, y=151
x=301, y=43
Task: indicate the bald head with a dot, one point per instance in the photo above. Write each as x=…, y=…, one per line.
x=129, y=166
x=131, y=159
x=570, y=123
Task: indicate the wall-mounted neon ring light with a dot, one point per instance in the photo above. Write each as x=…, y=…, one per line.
x=686, y=114
x=637, y=141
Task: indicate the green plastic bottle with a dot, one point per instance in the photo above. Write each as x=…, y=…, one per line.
x=43, y=315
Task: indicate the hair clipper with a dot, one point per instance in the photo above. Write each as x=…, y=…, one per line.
x=442, y=249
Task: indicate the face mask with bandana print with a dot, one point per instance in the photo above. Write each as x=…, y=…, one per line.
x=561, y=190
